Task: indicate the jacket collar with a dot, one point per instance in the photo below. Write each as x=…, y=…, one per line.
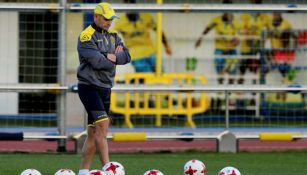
x=98, y=29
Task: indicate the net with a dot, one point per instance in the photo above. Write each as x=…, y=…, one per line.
x=239, y=48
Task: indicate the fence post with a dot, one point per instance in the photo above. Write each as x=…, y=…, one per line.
x=227, y=142
x=61, y=97
x=226, y=110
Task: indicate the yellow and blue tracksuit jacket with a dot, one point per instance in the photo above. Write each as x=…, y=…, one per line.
x=93, y=46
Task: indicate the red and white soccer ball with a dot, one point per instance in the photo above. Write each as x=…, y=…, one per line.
x=30, y=172
x=97, y=172
x=65, y=172
x=153, y=172
x=113, y=168
x=229, y=171
x=194, y=167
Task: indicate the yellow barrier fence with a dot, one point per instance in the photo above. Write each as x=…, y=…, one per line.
x=129, y=136
x=278, y=136
x=159, y=103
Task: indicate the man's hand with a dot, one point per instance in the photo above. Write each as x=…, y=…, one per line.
x=111, y=57
x=119, y=49
x=198, y=42
x=168, y=50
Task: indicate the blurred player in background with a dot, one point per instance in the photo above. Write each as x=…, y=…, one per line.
x=251, y=27
x=280, y=34
x=135, y=29
x=282, y=55
x=225, y=45
x=100, y=50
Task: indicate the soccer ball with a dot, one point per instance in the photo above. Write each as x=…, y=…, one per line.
x=194, y=167
x=30, y=172
x=153, y=172
x=113, y=168
x=65, y=172
x=97, y=172
x=229, y=171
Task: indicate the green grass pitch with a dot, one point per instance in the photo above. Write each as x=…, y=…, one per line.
x=270, y=163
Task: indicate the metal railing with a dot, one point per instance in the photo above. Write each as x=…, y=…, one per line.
x=184, y=7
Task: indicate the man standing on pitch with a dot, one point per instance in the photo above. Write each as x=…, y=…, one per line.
x=100, y=50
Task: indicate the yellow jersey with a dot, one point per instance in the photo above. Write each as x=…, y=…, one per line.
x=252, y=26
x=136, y=35
x=276, y=34
x=225, y=33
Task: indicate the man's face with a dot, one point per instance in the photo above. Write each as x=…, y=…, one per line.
x=102, y=22
x=277, y=19
x=227, y=17
x=276, y=16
